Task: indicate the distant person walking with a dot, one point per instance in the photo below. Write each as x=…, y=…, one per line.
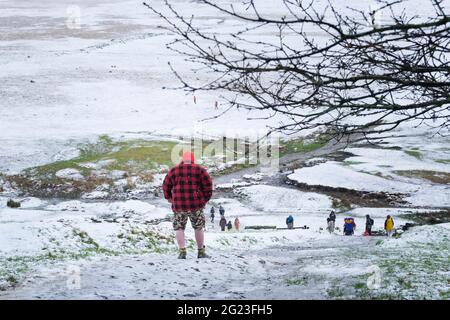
x=237, y=224
x=221, y=210
x=331, y=221
x=349, y=226
x=333, y=216
x=212, y=214
x=290, y=222
x=229, y=226
x=369, y=225
x=188, y=187
x=389, y=226
x=223, y=223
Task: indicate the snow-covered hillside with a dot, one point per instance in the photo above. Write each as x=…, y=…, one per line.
x=89, y=117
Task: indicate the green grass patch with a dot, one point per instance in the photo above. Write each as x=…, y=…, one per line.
x=445, y=295
x=141, y=158
x=404, y=283
x=191, y=244
x=131, y=156
x=302, y=145
x=233, y=168
x=341, y=204
x=138, y=158
x=301, y=281
x=224, y=241
x=443, y=161
x=414, y=153
x=360, y=285
x=434, y=217
x=350, y=163
x=335, y=292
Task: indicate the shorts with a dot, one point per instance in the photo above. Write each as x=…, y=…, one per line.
x=197, y=220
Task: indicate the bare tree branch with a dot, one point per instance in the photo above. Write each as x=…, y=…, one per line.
x=322, y=67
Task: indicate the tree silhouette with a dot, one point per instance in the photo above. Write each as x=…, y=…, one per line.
x=358, y=72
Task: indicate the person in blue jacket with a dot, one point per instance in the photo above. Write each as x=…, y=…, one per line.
x=349, y=226
x=290, y=222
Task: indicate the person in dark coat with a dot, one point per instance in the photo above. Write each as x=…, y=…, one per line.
x=223, y=223
x=221, y=210
x=331, y=220
x=369, y=225
x=229, y=226
x=333, y=216
x=212, y=214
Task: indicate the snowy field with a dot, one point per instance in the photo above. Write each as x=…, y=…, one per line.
x=61, y=87
x=111, y=76
x=117, y=257
x=387, y=170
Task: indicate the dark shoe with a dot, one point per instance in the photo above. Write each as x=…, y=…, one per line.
x=202, y=254
x=182, y=254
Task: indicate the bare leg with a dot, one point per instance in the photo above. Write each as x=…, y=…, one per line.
x=200, y=238
x=180, y=238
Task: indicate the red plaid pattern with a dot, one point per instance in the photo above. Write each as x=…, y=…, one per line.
x=188, y=187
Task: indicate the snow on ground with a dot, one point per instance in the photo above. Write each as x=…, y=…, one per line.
x=399, y=166
x=388, y=160
x=232, y=185
x=431, y=196
x=424, y=235
x=383, y=212
x=69, y=173
x=109, y=77
x=279, y=199
x=428, y=153
x=312, y=269
x=154, y=276
x=95, y=195
x=233, y=207
x=125, y=263
x=116, y=208
x=31, y=202
x=333, y=174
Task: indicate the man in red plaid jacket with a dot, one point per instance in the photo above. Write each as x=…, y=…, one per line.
x=188, y=187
